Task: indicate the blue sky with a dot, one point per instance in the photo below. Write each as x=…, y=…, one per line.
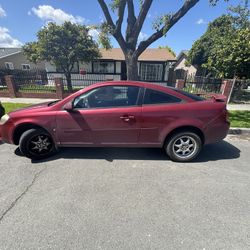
x=20, y=20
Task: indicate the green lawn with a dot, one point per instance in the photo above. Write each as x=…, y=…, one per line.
x=13, y=106
x=239, y=119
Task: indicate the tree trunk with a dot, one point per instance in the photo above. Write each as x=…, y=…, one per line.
x=132, y=67
x=69, y=82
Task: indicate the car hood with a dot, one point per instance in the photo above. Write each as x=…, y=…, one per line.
x=36, y=107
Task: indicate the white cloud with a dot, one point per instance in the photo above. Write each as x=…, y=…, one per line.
x=142, y=36
x=201, y=21
x=6, y=40
x=48, y=13
x=94, y=33
x=2, y=12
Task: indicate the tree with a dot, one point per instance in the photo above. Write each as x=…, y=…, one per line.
x=129, y=41
x=224, y=49
x=64, y=46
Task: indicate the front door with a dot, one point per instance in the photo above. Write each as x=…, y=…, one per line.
x=107, y=115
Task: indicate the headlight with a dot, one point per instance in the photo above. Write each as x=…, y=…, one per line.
x=4, y=119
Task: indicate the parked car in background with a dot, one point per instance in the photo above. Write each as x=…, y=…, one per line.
x=119, y=114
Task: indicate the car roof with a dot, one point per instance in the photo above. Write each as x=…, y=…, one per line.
x=130, y=83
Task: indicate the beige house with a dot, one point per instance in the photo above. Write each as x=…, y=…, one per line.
x=153, y=64
x=181, y=64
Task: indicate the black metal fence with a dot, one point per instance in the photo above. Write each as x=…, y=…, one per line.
x=202, y=85
x=241, y=91
x=41, y=81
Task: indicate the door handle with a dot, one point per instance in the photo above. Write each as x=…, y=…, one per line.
x=127, y=118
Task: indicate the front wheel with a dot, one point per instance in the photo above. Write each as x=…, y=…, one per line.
x=183, y=146
x=37, y=144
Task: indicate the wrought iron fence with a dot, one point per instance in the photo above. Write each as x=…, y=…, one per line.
x=41, y=81
x=202, y=85
x=241, y=91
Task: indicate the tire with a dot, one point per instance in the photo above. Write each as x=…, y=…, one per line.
x=183, y=146
x=37, y=144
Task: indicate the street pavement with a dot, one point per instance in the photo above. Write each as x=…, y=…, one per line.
x=126, y=199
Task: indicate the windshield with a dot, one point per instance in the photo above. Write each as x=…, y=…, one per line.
x=53, y=103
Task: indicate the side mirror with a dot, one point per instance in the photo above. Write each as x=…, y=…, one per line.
x=68, y=106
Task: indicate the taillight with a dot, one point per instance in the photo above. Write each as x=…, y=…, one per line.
x=226, y=114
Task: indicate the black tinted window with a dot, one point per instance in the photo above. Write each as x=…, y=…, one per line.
x=110, y=96
x=157, y=97
x=192, y=96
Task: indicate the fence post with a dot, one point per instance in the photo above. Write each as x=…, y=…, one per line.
x=59, y=88
x=180, y=83
x=226, y=88
x=11, y=85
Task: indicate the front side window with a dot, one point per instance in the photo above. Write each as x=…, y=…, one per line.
x=109, y=96
x=151, y=72
x=9, y=65
x=103, y=67
x=157, y=97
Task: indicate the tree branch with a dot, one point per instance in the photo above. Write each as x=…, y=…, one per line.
x=167, y=26
x=120, y=16
x=142, y=15
x=131, y=19
x=106, y=13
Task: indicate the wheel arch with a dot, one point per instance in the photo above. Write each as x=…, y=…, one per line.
x=23, y=127
x=193, y=129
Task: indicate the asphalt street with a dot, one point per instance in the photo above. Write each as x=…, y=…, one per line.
x=126, y=199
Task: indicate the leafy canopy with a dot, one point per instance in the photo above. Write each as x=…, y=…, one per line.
x=62, y=45
x=224, y=50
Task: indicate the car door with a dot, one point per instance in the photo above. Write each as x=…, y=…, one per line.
x=107, y=115
x=159, y=109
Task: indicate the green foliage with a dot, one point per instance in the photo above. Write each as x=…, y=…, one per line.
x=169, y=49
x=224, y=50
x=62, y=45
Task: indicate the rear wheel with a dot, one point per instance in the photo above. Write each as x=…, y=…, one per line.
x=37, y=144
x=183, y=146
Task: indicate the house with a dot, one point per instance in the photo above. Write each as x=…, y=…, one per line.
x=153, y=65
x=183, y=66
x=14, y=59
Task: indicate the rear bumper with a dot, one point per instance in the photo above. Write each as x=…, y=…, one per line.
x=217, y=132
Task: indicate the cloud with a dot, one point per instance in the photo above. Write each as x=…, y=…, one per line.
x=6, y=40
x=201, y=21
x=142, y=36
x=48, y=13
x=2, y=12
x=94, y=33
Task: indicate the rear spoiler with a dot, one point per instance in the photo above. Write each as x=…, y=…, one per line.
x=215, y=97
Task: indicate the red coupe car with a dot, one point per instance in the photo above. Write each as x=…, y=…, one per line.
x=119, y=114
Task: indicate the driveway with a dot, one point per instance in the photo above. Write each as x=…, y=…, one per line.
x=126, y=199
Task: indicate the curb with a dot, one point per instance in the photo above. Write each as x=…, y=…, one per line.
x=239, y=131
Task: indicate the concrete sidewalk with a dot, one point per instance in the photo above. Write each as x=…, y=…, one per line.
x=37, y=100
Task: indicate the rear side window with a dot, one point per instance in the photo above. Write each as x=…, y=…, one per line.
x=192, y=96
x=157, y=97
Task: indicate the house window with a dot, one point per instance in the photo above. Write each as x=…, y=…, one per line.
x=103, y=67
x=25, y=67
x=151, y=72
x=9, y=65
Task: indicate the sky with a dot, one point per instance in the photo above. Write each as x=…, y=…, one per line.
x=21, y=20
